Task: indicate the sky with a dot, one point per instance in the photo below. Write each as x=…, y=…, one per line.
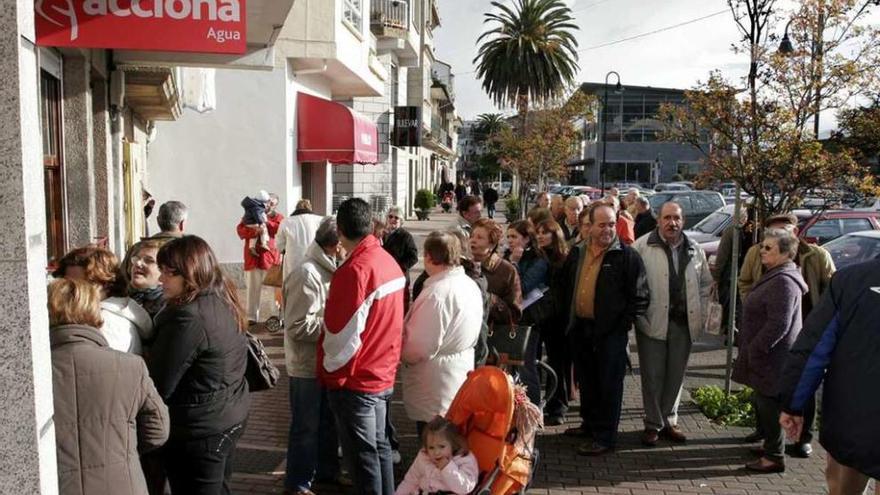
x=675, y=58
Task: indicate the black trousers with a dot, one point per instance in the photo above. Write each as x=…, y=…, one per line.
x=600, y=367
x=556, y=344
x=201, y=466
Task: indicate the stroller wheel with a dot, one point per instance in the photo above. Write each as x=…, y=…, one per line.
x=273, y=324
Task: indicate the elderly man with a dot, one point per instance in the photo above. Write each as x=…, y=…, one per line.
x=644, y=221
x=680, y=282
x=573, y=208
x=311, y=447
x=256, y=262
x=557, y=208
x=608, y=289
x=816, y=267
x=172, y=220
x=295, y=235
x=470, y=208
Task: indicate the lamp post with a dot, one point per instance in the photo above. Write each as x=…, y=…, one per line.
x=617, y=88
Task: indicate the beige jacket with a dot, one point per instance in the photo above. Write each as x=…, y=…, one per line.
x=106, y=411
x=305, y=296
x=815, y=263
x=698, y=283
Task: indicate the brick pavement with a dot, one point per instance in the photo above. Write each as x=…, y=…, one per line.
x=711, y=461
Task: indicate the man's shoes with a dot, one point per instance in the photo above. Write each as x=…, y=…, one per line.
x=764, y=465
x=650, y=437
x=554, y=420
x=757, y=451
x=395, y=457
x=593, y=449
x=755, y=436
x=578, y=432
x=799, y=450
x=673, y=434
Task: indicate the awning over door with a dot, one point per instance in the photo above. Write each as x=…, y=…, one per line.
x=329, y=131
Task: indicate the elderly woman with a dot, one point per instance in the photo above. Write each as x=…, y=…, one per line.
x=440, y=332
x=198, y=363
x=106, y=407
x=503, y=280
x=142, y=272
x=126, y=324
x=771, y=322
x=400, y=245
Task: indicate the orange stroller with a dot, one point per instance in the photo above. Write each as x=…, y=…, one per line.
x=487, y=410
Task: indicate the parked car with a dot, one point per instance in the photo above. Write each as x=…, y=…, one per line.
x=853, y=248
x=696, y=205
x=671, y=187
x=819, y=228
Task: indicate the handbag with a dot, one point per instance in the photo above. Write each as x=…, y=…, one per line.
x=261, y=374
x=274, y=276
x=714, y=314
x=507, y=342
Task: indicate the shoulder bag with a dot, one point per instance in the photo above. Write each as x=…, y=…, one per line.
x=261, y=374
x=507, y=342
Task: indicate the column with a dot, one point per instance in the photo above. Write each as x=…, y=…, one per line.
x=79, y=153
x=27, y=452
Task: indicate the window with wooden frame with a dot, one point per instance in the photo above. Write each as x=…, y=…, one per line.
x=53, y=165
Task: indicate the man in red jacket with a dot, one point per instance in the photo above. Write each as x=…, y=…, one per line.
x=255, y=265
x=359, y=351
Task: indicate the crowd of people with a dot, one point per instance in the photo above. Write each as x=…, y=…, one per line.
x=157, y=341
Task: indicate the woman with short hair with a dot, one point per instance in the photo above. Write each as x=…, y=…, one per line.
x=198, y=363
x=771, y=323
x=440, y=331
x=503, y=280
x=400, y=245
x=107, y=409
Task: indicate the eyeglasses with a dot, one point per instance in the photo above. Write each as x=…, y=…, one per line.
x=393, y=217
x=147, y=260
x=766, y=247
x=168, y=272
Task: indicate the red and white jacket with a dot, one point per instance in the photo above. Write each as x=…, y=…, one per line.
x=360, y=347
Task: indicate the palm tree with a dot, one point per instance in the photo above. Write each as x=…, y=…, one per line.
x=530, y=56
x=489, y=124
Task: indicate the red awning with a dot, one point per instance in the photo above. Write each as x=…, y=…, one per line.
x=329, y=131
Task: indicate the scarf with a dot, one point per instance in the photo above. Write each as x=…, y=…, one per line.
x=152, y=299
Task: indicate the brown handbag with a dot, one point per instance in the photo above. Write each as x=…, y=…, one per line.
x=274, y=276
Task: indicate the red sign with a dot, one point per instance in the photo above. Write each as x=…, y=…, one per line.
x=205, y=26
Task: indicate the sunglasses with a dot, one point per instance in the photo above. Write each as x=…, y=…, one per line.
x=766, y=247
x=393, y=217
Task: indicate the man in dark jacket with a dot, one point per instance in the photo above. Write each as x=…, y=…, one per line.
x=838, y=345
x=644, y=221
x=608, y=290
x=490, y=197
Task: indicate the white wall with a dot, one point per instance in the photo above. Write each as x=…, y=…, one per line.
x=211, y=161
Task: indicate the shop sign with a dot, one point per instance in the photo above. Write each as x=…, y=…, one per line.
x=407, y=126
x=203, y=26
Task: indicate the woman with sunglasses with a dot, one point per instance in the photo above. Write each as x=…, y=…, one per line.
x=198, y=364
x=771, y=323
x=400, y=245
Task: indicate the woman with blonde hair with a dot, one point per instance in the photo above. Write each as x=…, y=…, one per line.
x=98, y=439
x=198, y=363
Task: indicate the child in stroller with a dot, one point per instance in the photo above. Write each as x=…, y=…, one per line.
x=446, y=201
x=443, y=465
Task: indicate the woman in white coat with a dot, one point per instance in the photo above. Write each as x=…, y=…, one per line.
x=441, y=330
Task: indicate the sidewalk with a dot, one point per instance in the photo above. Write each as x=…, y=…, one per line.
x=711, y=462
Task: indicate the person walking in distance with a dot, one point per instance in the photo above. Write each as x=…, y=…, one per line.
x=679, y=282
x=608, y=291
x=359, y=349
x=490, y=197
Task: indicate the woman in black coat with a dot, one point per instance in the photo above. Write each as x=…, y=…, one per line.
x=400, y=245
x=198, y=365
x=771, y=323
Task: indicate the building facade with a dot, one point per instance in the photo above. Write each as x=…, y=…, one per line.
x=631, y=139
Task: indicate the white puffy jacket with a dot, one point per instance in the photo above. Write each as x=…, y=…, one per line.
x=126, y=324
x=439, y=336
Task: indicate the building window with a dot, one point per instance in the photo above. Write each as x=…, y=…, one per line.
x=352, y=12
x=53, y=163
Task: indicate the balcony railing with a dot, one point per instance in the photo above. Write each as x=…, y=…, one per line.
x=439, y=133
x=389, y=17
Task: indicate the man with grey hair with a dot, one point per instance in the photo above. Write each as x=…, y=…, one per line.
x=644, y=220
x=172, y=220
x=311, y=449
x=679, y=282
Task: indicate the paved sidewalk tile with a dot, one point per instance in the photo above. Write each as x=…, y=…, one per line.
x=710, y=462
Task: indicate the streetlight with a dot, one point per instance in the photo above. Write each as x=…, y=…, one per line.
x=617, y=88
x=785, y=46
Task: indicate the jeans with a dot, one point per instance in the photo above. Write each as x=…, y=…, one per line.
x=202, y=466
x=601, y=368
x=491, y=209
x=311, y=445
x=360, y=417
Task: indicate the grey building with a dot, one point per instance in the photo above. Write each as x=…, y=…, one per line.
x=635, y=149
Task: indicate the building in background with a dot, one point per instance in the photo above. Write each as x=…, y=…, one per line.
x=635, y=151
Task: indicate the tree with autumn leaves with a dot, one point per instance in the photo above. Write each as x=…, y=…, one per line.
x=764, y=135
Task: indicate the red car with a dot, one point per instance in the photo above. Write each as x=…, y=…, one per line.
x=831, y=224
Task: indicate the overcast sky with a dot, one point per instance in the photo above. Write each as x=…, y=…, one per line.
x=675, y=58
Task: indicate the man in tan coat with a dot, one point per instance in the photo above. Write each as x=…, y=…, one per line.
x=816, y=267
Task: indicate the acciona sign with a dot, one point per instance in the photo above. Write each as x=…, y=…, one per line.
x=206, y=26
